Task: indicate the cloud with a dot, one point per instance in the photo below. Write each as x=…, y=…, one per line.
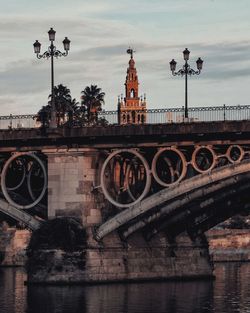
x=101, y=31
x=106, y=65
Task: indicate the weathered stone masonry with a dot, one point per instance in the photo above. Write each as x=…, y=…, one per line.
x=71, y=181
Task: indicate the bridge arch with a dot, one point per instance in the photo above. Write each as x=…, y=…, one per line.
x=19, y=215
x=170, y=199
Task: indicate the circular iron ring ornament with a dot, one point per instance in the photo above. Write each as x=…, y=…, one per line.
x=231, y=153
x=5, y=189
x=181, y=158
x=21, y=181
x=209, y=151
x=29, y=184
x=148, y=178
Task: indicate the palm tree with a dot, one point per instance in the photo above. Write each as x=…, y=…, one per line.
x=43, y=115
x=66, y=108
x=92, y=101
x=72, y=113
x=62, y=102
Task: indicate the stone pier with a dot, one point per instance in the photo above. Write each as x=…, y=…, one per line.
x=72, y=176
x=86, y=261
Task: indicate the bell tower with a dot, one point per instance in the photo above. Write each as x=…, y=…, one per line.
x=131, y=108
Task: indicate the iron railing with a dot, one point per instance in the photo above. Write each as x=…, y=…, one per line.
x=153, y=116
x=196, y=114
x=19, y=121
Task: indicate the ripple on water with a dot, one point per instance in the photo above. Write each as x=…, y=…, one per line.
x=229, y=293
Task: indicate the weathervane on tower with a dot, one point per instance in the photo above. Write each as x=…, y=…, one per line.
x=131, y=52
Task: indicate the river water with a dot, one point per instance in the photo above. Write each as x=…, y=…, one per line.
x=229, y=293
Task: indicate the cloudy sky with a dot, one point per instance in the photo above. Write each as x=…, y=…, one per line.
x=100, y=31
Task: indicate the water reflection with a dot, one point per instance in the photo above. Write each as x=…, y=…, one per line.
x=12, y=290
x=128, y=298
x=232, y=288
x=229, y=293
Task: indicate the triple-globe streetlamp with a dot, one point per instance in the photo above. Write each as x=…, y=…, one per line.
x=51, y=53
x=186, y=70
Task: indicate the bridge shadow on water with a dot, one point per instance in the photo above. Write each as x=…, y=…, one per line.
x=229, y=293
x=126, y=298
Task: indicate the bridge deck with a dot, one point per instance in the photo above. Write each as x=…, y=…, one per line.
x=129, y=135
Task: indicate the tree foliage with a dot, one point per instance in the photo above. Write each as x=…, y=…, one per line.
x=69, y=112
x=91, y=104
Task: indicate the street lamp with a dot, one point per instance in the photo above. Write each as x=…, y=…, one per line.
x=51, y=53
x=186, y=70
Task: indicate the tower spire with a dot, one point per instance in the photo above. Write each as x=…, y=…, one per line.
x=132, y=110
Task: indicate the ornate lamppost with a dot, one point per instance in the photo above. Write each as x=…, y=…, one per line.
x=186, y=70
x=51, y=53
